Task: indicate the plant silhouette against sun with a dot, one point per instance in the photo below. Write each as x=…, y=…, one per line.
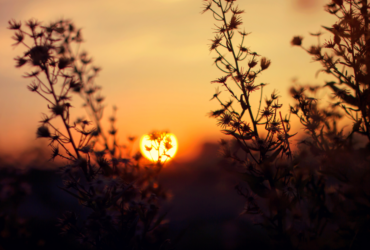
x=121, y=193
x=160, y=143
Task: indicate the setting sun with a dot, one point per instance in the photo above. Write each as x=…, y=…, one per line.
x=159, y=146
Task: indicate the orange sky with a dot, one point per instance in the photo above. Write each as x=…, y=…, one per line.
x=156, y=64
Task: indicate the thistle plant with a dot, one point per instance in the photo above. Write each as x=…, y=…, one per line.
x=121, y=192
x=316, y=198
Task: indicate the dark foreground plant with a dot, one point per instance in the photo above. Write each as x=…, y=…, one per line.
x=318, y=198
x=121, y=192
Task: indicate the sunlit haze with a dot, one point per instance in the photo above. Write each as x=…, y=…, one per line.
x=156, y=64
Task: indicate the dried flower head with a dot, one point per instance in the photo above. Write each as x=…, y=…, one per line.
x=39, y=55
x=234, y=22
x=63, y=62
x=18, y=37
x=32, y=24
x=207, y=6
x=297, y=41
x=20, y=61
x=265, y=63
x=221, y=79
x=225, y=120
x=13, y=25
x=43, y=132
x=252, y=63
x=58, y=109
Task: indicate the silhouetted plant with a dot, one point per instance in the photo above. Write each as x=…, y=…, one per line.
x=119, y=189
x=319, y=197
x=345, y=57
x=239, y=121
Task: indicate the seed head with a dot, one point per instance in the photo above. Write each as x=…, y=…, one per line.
x=20, y=61
x=32, y=24
x=207, y=6
x=274, y=95
x=57, y=109
x=252, y=63
x=246, y=128
x=267, y=112
x=13, y=25
x=18, y=37
x=297, y=94
x=237, y=11
x=45, y=119
x=243, y=49
x=32, y=87
x=75, y=86
x=294, y=110
x=43, y=132
x=297, y=41
x=54, y=152
x=250, y=87
x=234, y=22
x=265, y=63
x=315, y=50
x=268, y=102
x=216, y=42
x=63, y=62
x=39, y=55
x=221, y=79
x=225, y=120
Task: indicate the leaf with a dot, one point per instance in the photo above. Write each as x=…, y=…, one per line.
x=329, y=29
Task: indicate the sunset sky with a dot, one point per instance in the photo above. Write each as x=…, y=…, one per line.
x=156, y=64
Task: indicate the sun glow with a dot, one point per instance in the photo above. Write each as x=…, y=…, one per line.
x=159, y=146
